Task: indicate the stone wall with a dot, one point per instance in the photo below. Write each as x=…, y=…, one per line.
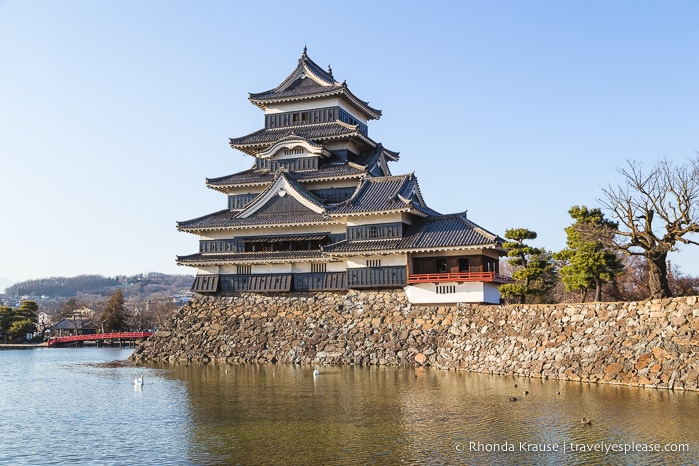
x=652, y=343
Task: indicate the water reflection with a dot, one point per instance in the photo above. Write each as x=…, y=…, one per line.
x=283, y=414
x=77, y=406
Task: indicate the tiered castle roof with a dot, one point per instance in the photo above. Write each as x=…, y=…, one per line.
x=316, y=169
x=320, y=84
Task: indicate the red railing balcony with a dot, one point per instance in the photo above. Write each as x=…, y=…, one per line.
x=491, y=277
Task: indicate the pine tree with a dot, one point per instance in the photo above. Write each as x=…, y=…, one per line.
x=536, y=272
x=7, y=318
x=589, y=258
x=114, y=316
x=28, y=310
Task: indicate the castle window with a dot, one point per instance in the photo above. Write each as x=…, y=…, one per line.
x=445, y=289
x=318, y=268
x=373, y=232
x=373, y=263
x=299, y=117
x=243, y=269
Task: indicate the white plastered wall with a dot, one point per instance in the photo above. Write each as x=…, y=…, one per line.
x=305, y=267
x=468, y=292
x=357, y=220
x=387, y=260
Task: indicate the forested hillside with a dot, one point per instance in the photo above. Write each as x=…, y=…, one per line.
x=66, y=287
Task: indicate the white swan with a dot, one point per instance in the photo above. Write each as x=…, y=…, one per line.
x=138, y=381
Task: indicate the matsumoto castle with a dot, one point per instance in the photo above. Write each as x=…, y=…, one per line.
x=319, y=210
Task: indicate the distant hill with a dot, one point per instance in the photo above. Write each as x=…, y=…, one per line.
x=4, y=283
x=67, y=287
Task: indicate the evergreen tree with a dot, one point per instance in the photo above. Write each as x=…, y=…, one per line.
x=114, y=316
x=20, y=328
x=7, y=318
x=589, y=258
x=16, y=323
x=28, y=310
x=535, y=275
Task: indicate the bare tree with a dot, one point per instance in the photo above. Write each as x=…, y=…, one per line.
x=656, y=210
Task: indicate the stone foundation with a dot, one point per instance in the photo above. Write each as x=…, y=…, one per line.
x=652, y=343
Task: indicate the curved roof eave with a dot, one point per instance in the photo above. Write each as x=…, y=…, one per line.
x=418, y=250
x=254, y=148
x=370, y=112
x=197, y=230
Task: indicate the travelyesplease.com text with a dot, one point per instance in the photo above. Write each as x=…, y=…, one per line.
x=569, y=447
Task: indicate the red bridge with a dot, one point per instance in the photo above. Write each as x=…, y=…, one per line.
x=99, y=337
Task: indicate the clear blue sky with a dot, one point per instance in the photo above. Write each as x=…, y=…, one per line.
x=114, y=113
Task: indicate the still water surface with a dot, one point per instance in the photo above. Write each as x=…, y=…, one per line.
x=80, y=406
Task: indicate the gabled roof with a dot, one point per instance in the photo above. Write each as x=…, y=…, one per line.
x=384, y=194
x=319, y=132
x=284, y=185
x=68, y=324
x=452, y=231
x=307, y=81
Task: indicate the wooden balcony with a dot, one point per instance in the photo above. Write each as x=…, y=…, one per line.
x=491, y=277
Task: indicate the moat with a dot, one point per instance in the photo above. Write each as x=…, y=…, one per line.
x=81, y=406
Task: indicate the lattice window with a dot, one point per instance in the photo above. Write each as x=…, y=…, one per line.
x=243, y=269
x=318, y=268
x=373, y=263
x=445, y=289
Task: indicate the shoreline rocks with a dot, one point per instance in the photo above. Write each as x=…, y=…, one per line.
x=651, y=343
